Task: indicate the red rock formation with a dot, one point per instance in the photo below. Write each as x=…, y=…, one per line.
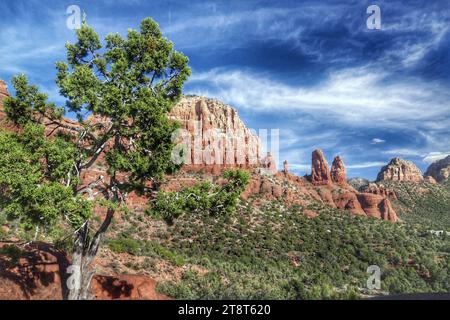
x=285, y=167
x=380, y=189
x=400, y=170
x=213, y=134
x=377, y=206
x=337, y=173
x=349, y=201
x=439, y=170
x=41, y=275
x=201, y=116
x=3, y=90
x=320, y=171
x=387, y=212
x=268, y=164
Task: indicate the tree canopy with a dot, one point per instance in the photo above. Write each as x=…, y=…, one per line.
x=120, y=92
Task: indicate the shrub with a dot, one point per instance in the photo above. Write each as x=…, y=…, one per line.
x=127, y=245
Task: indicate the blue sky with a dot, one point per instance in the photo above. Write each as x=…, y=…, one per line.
x=312, y=70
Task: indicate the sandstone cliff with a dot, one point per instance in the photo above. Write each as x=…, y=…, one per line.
x=400, y=170
x=439, y=170
x=214, y=135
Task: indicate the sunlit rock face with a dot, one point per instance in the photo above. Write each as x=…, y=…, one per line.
x=3, y=91
x=320, y=171
x=400, y=170
x=338, y=174
x=213, y=134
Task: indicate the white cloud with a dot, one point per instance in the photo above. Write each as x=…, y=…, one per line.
x=366, y=165
x=412, y=51
x=404, y=152
x=359, y=97
x=434, y=156
x=299, y=166
x=377, y=141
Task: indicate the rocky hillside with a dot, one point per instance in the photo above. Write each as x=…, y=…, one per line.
x=439, y=170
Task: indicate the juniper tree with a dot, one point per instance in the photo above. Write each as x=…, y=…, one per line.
x=132, y=83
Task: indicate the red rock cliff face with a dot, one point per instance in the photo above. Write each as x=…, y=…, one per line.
x=439, y=170
x=320, y=171
x=3, y=91
x=400, y=170
x=214, y=135
x=337, y=173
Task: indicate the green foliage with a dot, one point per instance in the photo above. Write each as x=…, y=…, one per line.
x=225, y=201
x=31, y=171
x=127, y=245
x=29, y=103
x=282, y=254
x=201, y=198
x=426, y=204
x=134, y=82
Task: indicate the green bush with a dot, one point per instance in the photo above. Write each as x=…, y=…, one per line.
x=201, y=198
x=127, y=245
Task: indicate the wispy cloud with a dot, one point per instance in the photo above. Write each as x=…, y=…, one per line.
x=435, y=156
x=403, y=152
x=355, y=96
x=365, y=165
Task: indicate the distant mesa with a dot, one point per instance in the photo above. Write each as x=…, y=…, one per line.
x=439, y=170
x=400, y=170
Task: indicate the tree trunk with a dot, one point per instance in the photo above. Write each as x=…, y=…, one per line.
x=84, y=252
